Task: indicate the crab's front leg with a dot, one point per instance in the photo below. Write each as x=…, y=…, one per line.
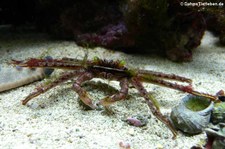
x=45, y=88
x=187, y=89
x=81, y=92
x=157, y=78
x=118, y=96
x=154, y=109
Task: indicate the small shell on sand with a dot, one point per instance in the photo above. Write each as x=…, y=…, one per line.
x=137, y=120
x=190, y=119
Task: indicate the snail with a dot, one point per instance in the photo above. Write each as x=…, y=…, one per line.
x=192, y=115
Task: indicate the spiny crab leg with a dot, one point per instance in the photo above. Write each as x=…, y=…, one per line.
x=155, y=111
x=118, y=96
x=49, y=63
x=83, y=95
x=187, y=88
x=43, y=89
x=150, y=73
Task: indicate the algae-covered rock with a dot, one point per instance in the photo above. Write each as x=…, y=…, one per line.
x=218, y=113
x=216, y=137
x=164, y=27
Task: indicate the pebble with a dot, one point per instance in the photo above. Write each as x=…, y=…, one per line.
x=131, y=132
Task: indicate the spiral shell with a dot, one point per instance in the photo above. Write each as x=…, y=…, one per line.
x=190, y=116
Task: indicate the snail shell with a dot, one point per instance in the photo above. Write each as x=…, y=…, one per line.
x=189, y=119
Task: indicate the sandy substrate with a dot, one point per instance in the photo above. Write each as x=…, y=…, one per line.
x=56, y=120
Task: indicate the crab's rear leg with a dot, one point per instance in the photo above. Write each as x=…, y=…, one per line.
x=81, y=92
x=118, y=96
x=154, y=109
x=43, y=89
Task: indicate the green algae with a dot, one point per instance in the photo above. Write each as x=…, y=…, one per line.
x=197, y=103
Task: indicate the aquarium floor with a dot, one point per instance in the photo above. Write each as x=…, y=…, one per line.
x=56, y=120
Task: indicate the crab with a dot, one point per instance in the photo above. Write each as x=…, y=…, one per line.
x=85, y=70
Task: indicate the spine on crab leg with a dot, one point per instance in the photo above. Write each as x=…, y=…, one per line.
x=187, y=88
x=49, y=63
x=150, y=102
x=149, y=73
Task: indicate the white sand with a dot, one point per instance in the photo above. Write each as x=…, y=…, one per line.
x=56, y=120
